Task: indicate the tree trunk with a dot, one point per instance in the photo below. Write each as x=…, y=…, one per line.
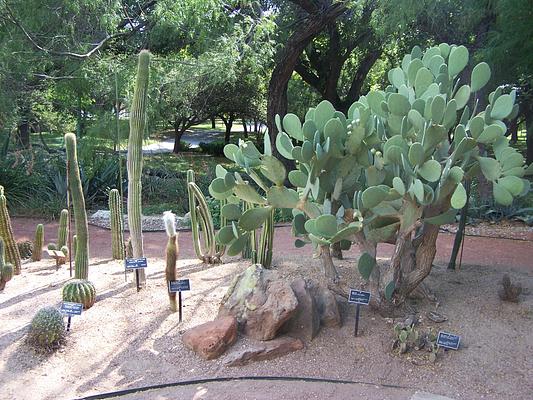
x=306, y=30
x=513, y=130
x=24, y=133
x=228, y=123
x=213, y=123
x=330, y=272
x=245, y=127
x=180, y=127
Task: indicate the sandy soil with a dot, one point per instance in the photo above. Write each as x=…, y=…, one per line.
x=131, y=339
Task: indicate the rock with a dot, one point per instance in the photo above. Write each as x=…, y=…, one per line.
x=327, y=305
x=305, y=323
x=260, y=351
x=260, y=302
x=211, y=339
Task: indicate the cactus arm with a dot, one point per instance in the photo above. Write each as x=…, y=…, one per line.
x=135, y=159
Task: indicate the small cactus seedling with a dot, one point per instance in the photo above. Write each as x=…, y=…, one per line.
x=509, y=291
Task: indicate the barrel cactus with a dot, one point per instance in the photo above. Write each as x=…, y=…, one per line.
x=79, y=291
x=135, y=157
x=6, y=232
x=38, y=243
x=25, y=249
x=6, y=269
x=391, y=170
x=47, y=330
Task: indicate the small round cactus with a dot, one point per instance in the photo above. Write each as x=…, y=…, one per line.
x=51, y=246
x=25, y=249
x=80, y=291
x=47, y=329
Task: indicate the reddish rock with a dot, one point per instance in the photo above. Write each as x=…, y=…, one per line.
x=327, y=305
x=305, y=323
x=260, y=351
x=260, y=302
x=211, y=339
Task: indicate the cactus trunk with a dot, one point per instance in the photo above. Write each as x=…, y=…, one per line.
x=81, y=260
x=172, y=253
x=62, y=231
x=6, y=232
x=117, y=225
x=38, y=243
x=135, y=159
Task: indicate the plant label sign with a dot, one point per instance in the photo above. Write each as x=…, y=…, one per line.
x=136, y=263
x=70, y=309
x=448, y=340
x=181, y=285
x=359, y=297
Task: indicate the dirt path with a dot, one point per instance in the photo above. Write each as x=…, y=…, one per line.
x=497, y=252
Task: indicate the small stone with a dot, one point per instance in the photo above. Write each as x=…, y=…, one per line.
x=211, y=339
x=259, y=351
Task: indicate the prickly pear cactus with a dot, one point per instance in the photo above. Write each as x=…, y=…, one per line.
x=38, y=243
x=25, y=249
x=47, y=330
x=80, y=291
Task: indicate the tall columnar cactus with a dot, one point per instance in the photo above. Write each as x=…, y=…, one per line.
x=202, y=224
x=171, y=255
x=135, y=158
x=6, y=232
x=62, y=230
x=81, y=260
x=396, y=163
x=6, y=270
x=38, y=243
x=117, y=225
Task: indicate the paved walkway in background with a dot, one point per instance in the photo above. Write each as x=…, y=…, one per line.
x=483, y=251
x=193, y=137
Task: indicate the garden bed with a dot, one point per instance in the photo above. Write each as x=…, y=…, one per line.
x=129, y=339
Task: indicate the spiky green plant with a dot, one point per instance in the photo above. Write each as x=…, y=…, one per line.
x=79, y=291
x=117, y=225
x=47, y=330
x=391, y=165
x=135, y=158
x=38, y=243
x=6, y=269
x=172, y=253
x=6, y=232
x=25, y=249
x=81, y=260
x=202, y=224
x=62, y=230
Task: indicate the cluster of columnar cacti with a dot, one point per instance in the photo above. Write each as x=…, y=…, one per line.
x=135, y=157
x=6, y=233
x=6, y=269
x=80, y=291
x=202, y=224
x=38, y=243
x=172, y=253
x=81, y=260
x=117, y=225
x=47, y=329
x=390, y=167
x=25, y=248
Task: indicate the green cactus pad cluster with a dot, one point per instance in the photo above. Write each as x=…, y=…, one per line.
x=25, y=249
x=79, y=291
x=47, y=330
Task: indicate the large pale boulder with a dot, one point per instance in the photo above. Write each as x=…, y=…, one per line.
x=211, y=339
x=260, y=302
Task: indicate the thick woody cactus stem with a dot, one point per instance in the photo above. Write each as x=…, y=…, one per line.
x=135, y=159
x=117, y=225
x=62, y=231
x=81, y=260
x=38, y=243
x=6, y=232
x=172, y=255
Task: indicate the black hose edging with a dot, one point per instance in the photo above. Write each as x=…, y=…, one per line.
x=238, y=378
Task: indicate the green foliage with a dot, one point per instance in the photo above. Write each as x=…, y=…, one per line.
x=47, y=330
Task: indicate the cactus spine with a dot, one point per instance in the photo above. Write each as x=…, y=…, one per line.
x=202, y=223
x=117, y=225
x=81, y=261
x=172, y=255
x=134, y=159
x=38, y=243
x=6, y=270
x=6, y=232
x=63, y=228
